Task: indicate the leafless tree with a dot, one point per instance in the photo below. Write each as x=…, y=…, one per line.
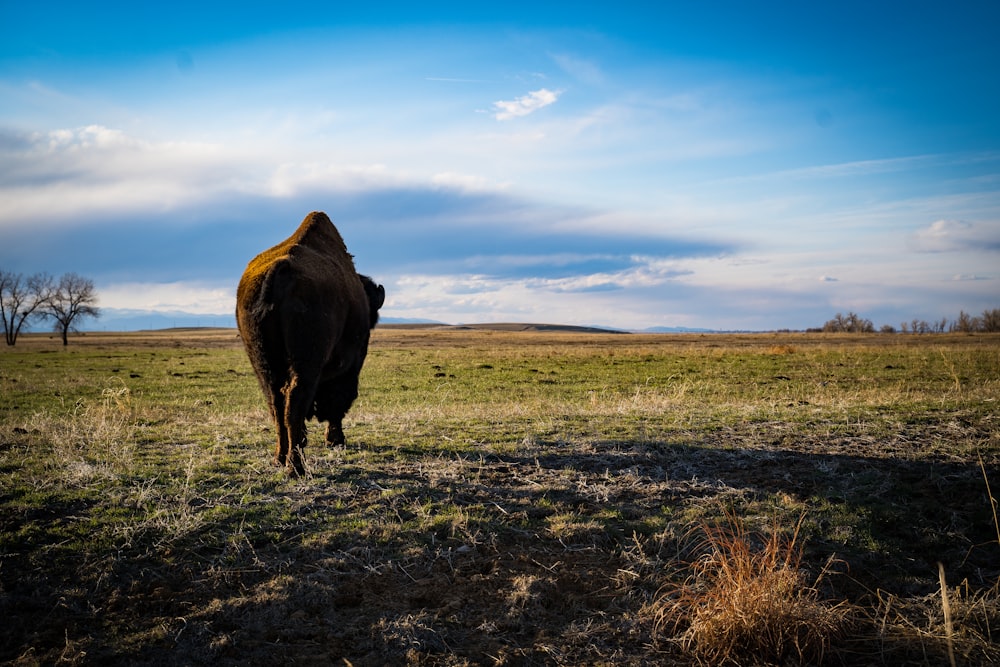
x=852, y=323
x=21, y=299
x=990, y=320
x=837, y=325
x=965, y=323
x=74, y=297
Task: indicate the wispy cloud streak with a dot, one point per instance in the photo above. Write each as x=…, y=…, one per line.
x=526, y=104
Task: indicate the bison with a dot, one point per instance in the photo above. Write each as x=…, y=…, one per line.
x=305, y=316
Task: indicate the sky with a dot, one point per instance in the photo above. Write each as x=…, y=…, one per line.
x=720, y=165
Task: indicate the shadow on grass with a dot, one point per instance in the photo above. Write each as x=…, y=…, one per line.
x=543, y=556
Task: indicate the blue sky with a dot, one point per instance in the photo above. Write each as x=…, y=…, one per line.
x=725, y=165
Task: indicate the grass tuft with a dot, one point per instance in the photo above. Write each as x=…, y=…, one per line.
x=748, y=601
x=956, y=625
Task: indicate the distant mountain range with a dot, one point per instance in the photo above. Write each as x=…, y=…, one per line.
x=113, y=319
x=677, y=330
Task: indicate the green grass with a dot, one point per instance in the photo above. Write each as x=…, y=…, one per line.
x=504, y=498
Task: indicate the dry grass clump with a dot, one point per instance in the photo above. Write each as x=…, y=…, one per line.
x=956, y=625
x=961, y=623
x=95, y=440
x=747, y=603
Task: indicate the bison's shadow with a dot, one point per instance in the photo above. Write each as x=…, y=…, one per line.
x=278, y=593
x=891, y=520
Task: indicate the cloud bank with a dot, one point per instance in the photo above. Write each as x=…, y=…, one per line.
x=945, y=236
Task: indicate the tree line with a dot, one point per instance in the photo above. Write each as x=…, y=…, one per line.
x=988, y=322
x=40, y=296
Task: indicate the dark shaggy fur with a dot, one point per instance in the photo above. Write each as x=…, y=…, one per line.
x=305, y=316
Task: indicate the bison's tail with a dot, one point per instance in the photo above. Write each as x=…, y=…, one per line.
x=258, y=325
x=275, y=286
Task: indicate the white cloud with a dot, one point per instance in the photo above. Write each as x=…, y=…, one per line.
x=292, y=178
x=583, y=299
x=944, y=236
x=67, y=173
x=189, y=297
x=80, y=173
x=522, y=106
x=466, y=182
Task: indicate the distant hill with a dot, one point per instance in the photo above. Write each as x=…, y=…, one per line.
x=677, y=330
x=532, y=326
x=527, y=326
x=113, y=319
x=409, y=322
x=500, y=326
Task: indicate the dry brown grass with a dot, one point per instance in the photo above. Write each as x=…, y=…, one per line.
x=748, y=602
x=506, y=498
x=921, y=630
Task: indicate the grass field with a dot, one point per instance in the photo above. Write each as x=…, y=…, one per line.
x=507, y=498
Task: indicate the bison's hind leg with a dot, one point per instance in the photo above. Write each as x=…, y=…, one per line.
x=298, y=468
x=299, y=395
x=276, y=403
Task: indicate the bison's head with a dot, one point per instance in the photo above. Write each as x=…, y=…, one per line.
x=376, y=297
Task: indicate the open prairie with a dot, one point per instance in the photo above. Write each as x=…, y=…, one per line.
x=507, y=498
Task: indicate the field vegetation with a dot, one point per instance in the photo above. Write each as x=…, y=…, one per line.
x=507, y=498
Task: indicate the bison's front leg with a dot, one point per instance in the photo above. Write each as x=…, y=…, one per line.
x=335, y=434
x=333, y=400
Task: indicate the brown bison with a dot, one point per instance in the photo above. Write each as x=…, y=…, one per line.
x=305, y=316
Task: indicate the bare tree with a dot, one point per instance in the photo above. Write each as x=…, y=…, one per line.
x=965, y=323
x=74, y=297
x=22, y=299
x=837, y=325
x=990, y=320
x=852, y=323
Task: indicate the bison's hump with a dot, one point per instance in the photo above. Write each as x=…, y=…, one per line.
x=318, y=232
x=316, y=235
